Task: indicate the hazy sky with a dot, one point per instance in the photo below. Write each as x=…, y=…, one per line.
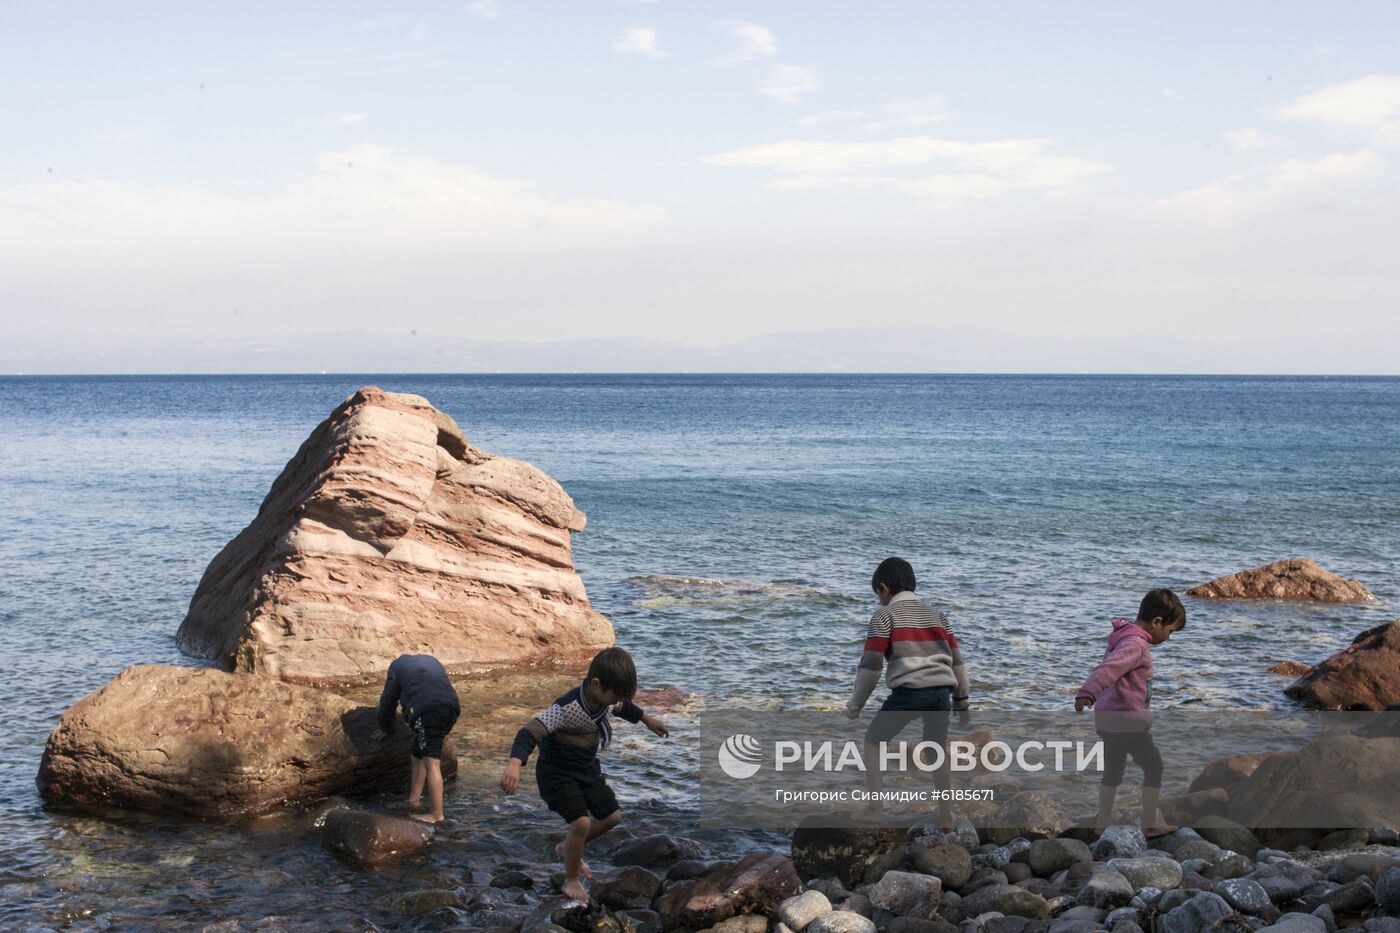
x=700, y=171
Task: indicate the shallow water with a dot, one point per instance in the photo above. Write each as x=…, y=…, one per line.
x=1033, y=508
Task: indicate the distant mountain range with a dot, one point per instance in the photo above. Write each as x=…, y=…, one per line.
x=852, y=350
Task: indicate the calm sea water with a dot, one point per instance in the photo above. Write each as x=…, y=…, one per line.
x=1033, y=508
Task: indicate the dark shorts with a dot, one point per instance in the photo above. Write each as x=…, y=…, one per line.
x=929, y=706
x=573, y=793
x=1118, y=746
x=430, y=726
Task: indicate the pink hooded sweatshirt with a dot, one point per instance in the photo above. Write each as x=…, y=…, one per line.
x=1123, y=679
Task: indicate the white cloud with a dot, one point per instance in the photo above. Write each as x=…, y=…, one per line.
x=362, y=197
x=831, y=116
x=755, y=41
x=640, y=40
x=1292, y=180
x=484, y=9
x=1248, y=139
x=418, y=33
x=1371, y=101
x=979, y=169
x=350, y=119
x=918, y=112
x=788, y=83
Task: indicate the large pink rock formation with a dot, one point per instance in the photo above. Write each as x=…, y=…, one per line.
x=1297, y=578
x=211, y=745
x=388, y=533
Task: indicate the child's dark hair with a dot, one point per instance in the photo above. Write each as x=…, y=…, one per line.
x=1162, y=604
x=615, y=672
x=895, y=573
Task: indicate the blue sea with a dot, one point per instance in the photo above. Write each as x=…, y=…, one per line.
x=1034, y=510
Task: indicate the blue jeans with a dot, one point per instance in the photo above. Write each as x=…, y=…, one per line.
x=931, y=705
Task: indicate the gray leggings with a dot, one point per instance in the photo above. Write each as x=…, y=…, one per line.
x=1117, y=746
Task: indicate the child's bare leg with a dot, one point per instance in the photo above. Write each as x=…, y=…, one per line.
x=572, y=851
x=415, y=787
x=433, y=769
x=1105, y=815
x=1152, y=823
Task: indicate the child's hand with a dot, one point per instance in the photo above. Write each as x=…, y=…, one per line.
x=1082, y=703
x=655, y=725
x=852, y=712
x=510, y=780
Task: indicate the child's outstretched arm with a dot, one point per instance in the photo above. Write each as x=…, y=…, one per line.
x=1125, y=656
x=633, y=713
x=526, y=740
x=962, y=693
x=388, y=702
x=872, y=662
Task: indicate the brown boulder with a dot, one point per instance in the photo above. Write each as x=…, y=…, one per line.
x=1229, y=773
x=211, y=745
x=756, y=885
x=387, y=534
x=1364, y=675
x=1289, y=668
x=369, y=839
x=1337, y=782
x=1296, y=578
x=1187, y=809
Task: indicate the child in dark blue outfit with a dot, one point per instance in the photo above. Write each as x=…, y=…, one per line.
x=419, y=684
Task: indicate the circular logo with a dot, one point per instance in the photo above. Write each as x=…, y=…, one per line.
x=740, y=756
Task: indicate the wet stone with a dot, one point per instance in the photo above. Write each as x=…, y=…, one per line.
x=1201, y=912
x=1048, y=856
x=1244, y=895
x=796, y=912
x=1119, y=842
x=948, y=862
x=841, y=921
x=1148, y=872
x=1106, y=889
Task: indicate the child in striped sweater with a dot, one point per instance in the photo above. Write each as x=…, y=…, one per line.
x=925, y=673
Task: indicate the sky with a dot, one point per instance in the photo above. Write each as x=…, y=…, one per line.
x=698, y=173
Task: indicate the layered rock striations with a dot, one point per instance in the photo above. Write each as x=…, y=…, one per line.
x=388, y=533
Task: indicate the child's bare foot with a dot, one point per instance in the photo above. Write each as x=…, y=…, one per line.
x=574, y=890
x=1158, y=831
x=583, y=868
x=425, y=817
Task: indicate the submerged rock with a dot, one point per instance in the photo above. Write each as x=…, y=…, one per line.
x=1297, y=578
x=844, y=853
x=1363, y=676
x=387, y=533
x=216, y=746
x=1289, y=669
x=371, y=839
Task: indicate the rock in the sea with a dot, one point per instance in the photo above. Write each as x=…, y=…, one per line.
x=654, y=851
x=1297, y=578
x=1290, y=669
x=619, y=889
x=1339, y=780
x=756, y=885
x=1363, y=676
x=212, y=745
x=1032, y=814
x=371, y=839
x=387, y=533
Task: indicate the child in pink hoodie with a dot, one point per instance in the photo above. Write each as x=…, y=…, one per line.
x=1120, y=691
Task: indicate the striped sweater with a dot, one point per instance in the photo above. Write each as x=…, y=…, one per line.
x=920, y=647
